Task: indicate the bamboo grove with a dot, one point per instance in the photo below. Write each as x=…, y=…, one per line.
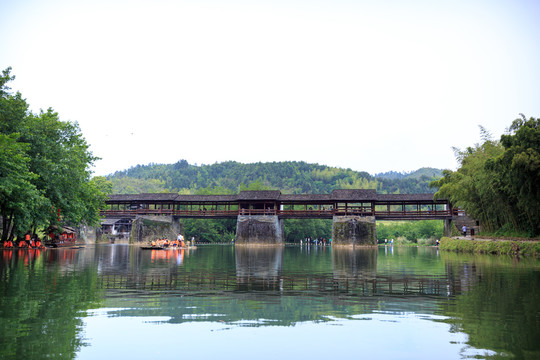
x=497, y=182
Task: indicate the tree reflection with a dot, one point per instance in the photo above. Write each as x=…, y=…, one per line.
x=41, y=307
x=497, y=304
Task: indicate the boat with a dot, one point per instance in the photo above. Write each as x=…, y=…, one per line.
x=61, y=237
x=167, y=248
x=152, y=248
x=16, y=248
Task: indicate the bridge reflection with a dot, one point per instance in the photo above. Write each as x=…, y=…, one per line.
x=259, y=268
x=354, y=273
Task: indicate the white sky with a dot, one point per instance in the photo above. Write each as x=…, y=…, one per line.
x=368, y=85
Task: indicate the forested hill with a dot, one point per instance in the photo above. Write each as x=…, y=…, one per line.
x=290, y=177
x=429, y=172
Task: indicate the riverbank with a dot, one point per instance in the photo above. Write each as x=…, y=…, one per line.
x=491, y=246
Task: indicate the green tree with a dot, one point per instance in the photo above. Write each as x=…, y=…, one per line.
x=17, y=192
x=45, y=168
x=296, y=229
x=518, y=169
x=497, y=181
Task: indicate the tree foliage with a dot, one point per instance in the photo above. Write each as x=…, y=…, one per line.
x=410, y=230
x=290, y=177
x=44, y=168
x=498, y=181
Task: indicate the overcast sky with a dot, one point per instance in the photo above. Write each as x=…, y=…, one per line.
x=368, y=85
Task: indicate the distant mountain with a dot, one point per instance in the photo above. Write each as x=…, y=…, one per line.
x=289, y=176
x=428, y=172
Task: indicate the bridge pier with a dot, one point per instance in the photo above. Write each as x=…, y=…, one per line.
x=448, y=227
x=259, y=230
x=148, y=228
x=354, y=231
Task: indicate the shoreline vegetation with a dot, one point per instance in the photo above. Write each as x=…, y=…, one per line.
x=519, y=247
x=497, y=181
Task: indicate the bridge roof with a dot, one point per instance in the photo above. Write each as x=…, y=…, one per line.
x=143, y=197
x=405, y=197
x=306, y=197
x=354, y=194
x=259, y=195
x=206, y=198
x=349, y=195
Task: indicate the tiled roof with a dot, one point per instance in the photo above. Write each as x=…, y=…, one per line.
x=350, y=195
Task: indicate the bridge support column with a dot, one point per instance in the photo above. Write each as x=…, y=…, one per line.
x=259, y=229
x=448, y=223
x=354, y=231
x=148, y=228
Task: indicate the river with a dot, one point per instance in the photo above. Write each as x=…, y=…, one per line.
x=222, y=302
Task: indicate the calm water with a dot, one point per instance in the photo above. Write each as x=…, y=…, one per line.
x=118, y=301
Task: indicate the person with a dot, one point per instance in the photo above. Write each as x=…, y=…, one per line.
x=437, y=242
x=464, y=230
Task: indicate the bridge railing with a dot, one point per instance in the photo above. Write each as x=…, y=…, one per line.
x=327, y=213
x=257, y=212
x=458, y=212
x=413, y=213
x=204, y=213
x=353, y=212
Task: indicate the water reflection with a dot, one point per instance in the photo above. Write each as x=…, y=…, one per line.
x=259, y=268
x=354, y=263
x=43, y=296
x=469, y=305
x=497, y=303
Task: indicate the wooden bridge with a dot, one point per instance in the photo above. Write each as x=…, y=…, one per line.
x=354, y=202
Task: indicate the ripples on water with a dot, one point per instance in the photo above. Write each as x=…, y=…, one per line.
x=221, y=302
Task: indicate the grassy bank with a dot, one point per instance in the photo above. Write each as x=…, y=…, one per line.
x=508, y=247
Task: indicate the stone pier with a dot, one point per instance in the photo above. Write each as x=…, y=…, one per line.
x=147, y=228
x=354, y=231
x=259, y=230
